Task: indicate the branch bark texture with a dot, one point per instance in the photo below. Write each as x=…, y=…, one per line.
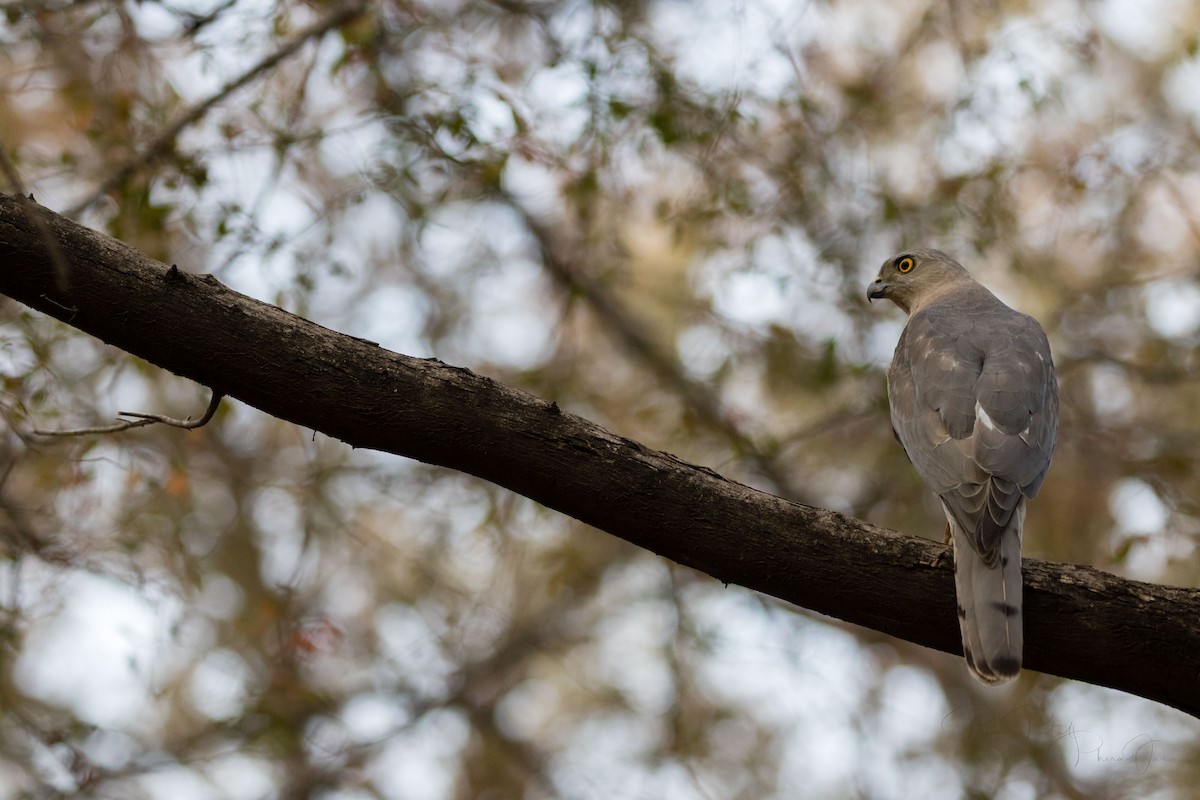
x=1080, y=623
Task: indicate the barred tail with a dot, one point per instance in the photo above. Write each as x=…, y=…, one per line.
x=989, y=602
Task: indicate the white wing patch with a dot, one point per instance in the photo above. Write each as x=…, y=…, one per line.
x=982, y=416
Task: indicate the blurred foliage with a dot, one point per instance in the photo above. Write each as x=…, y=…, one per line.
x=663, y=215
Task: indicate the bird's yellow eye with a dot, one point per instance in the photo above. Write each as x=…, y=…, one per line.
x=905, y=264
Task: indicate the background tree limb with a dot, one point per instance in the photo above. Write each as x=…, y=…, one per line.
x=1081, y=623
x=166, y=140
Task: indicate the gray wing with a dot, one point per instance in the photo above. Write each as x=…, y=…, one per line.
x=975, y=405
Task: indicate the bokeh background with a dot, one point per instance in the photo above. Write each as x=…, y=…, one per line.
x=662, y=215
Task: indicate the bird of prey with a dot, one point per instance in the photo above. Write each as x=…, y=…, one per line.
x=974, y=402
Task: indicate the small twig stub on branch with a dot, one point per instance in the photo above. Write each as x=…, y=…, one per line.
x=140, y=420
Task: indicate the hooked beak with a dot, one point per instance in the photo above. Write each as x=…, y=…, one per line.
x=878, y=289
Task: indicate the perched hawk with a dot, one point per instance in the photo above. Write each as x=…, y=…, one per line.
x=975, y=404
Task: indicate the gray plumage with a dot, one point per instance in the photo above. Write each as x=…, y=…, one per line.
x=974, y=402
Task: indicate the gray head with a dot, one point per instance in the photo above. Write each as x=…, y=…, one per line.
x=913, y=277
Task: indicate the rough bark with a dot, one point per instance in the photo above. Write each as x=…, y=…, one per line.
x=1080, y=623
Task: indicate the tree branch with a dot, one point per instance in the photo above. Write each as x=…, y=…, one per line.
x=139, y=420
x=1080, y=623
x=165, y=141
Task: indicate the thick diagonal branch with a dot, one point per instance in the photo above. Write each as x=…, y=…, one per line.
x=1080, y=623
